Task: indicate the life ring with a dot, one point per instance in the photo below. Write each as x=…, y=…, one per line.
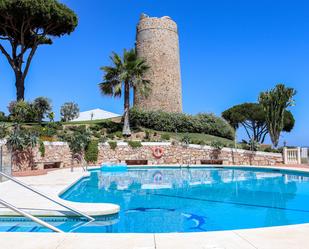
x=157, y=177
x=157, y=152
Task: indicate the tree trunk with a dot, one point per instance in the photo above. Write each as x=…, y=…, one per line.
x=126, y=123
x=20, y=86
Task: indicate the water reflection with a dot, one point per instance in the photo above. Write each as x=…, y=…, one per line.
x=182, y=200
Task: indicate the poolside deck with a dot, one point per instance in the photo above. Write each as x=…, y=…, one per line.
x=288, y=237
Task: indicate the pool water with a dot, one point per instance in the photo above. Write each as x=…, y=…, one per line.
x=196, y=199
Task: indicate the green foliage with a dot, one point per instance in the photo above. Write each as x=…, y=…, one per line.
x=41, y=107
x=21, y=139
x=274, y=103
x=21, y=111
x=69, y=111
x=3, y=118
x=112, y=144
x=217, y=145
x=118, y=134
x=186, y=140
x=252, y=117
x=165, y=137
x=42, y=148
x=126, y=73
x=78, y=140
x=4, y=130
x=51, y=116
x=92, y=152
x=179, y=122
x=27, y=24
x=199, y=142
x=135, y=144
x=102, y=139
x=108, y=126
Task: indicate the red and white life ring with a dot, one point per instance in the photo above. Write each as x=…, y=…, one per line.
x=157, y=152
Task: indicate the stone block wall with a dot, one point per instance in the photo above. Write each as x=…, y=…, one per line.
x=192, y=154
x=173, y=154
x=157, y=43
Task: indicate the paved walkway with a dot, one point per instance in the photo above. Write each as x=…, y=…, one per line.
x=289, y=237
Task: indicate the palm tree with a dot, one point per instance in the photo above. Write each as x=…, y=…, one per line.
x=125, y=73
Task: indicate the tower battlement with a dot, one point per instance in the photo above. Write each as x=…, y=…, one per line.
x=157, y=42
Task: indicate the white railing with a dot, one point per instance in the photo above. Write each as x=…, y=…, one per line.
x=31, y=217
x=48, y=197
x=292, y=155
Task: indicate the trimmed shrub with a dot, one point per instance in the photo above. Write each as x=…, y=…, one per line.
x=112, y=144
x=92, y=152
x=165, y=137
x=179, y=122
x=217, y=145
x=42, y=148
x=135, y=144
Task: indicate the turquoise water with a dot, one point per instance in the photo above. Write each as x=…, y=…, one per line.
x=186, y=200
x=195, y=200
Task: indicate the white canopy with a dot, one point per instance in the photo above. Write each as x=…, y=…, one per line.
x=95, y=114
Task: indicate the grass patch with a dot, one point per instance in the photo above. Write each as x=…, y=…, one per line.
x=195, y=138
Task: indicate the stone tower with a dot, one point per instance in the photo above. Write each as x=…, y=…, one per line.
x=157, y=42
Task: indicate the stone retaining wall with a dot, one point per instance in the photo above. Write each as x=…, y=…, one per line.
x=173, y=154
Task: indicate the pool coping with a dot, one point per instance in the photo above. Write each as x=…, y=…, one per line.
x=283, y=237
x=38, y=206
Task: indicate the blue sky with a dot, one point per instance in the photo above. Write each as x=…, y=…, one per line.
x=230, y=52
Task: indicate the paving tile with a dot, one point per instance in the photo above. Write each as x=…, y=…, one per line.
x=30, y=240
x=285, y=237
x=108, y=241
x=211, y=240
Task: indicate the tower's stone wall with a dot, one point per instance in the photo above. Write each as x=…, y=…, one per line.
x=157, y=42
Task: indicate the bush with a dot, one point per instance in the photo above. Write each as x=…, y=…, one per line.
x=135, y=144
x=92, y=151
x=186, y=139
x=179, y=122
x=3, y=118
x=109, y=126
x=118, y=134
x=21, y=111
x=165, y=137
x=217, y=145
x=198, y=141
x=42, y=148
x=78, y=141
x=4, y=130
x=112, y=144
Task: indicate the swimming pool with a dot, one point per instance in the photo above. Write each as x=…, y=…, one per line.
x=196, y=199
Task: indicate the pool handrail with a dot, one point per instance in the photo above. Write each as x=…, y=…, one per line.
x=47, y=197
x=27, y=215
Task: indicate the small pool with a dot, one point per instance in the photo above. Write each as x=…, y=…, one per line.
x=196, y=199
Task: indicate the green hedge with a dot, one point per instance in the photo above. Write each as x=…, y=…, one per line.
x=135, y=144
x=92, y=151
x=112, y=144
x=179, y=122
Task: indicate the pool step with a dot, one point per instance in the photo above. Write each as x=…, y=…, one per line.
x=20, y=227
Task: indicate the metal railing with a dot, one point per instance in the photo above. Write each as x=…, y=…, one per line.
x=47, y=197
x=27, y=215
